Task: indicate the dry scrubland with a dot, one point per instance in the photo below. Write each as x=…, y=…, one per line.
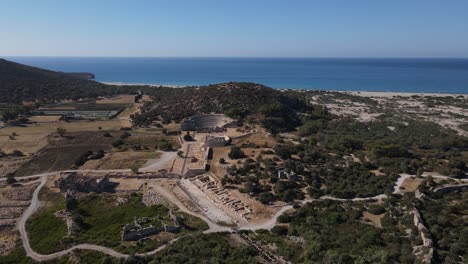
x=333, y=159
x=31, y=138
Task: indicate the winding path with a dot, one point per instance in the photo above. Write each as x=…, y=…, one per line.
x=213, y=227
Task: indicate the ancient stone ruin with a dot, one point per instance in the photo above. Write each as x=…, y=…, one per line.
x=137, y=231
x=73, y=181
x=208, y=123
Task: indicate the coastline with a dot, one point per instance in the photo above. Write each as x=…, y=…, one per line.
x=357, y=93
x=143, y=84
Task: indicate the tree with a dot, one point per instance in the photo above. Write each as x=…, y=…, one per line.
x=266, y=197
x=279, y=230
x=188, y=137
x=180, y=153
x=236, y=153
x=420, y=172
x=222, y=161
x=61, y=131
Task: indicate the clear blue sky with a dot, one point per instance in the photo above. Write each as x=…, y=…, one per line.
x=235, y=28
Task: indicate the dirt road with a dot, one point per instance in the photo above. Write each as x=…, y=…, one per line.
x=213, y=227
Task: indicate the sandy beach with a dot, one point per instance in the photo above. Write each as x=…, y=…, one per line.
x=358, y=93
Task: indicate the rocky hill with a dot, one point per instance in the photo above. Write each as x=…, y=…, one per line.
x=277, y=110
x=20, y=83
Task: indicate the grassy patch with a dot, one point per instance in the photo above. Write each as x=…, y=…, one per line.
x=103, y=222
x=47, y=232
x=151, y=141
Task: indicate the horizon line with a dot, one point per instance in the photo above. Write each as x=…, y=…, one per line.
x=232, y=57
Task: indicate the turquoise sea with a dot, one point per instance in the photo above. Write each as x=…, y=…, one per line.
x=396, y=75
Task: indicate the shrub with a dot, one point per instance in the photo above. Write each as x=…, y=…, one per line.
x=10, y=180
x=279, y=230
x=188, y=137
x=236, y=153
x=266, y=197
x=17, y=153
x=125, y=135
x=117, y=143
x=376, y=209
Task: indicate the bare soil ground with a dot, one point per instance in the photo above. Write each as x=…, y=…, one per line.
x=118, y=99
x=128, y=184
x=13, y=201
x=62, y=152
x=45, y=119
x=259, y=138
x=375, y=220
x=10, y=164
x=122, y=160
x=7, y=241
x=32, y=138
x=427, y=107
x=411, y=184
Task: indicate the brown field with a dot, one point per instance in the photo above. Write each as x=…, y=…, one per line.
x=121, y=160
x=44, y=119
x=150, y=139
x=119, y=99
x=10, y=164
x=62, y=152
x=124, y=116
x=258, y=138
x=31, y=138
x=375, y=220
x=411, y=184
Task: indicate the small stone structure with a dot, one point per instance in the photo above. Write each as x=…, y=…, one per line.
x=136, y=231
x=213, y=142
x=208, y=185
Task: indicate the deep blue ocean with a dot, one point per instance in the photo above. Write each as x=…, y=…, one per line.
x=396, y=75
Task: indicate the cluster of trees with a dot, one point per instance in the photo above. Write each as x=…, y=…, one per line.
x=24, y=83
x=236, y=153
x=350, y=159
x=334, y=233
x=213, y=248
x=276, y=110
x=445, y=216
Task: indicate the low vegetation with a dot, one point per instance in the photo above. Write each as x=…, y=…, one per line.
x=445, y=216
x=213, y=248
x=332, y=232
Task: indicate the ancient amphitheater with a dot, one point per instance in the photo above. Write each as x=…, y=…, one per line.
x=207, y=123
